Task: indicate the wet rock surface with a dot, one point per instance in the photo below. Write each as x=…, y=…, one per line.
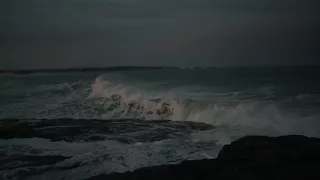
x=251, y=157
x=38, y=149
x=125, y=130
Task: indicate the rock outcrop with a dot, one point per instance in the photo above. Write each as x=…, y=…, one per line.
x=123, y=130
x=249, y=158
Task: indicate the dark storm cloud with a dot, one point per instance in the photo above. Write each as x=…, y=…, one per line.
x=75, y=33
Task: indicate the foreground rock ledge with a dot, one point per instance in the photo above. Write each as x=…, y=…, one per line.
x=252, y=157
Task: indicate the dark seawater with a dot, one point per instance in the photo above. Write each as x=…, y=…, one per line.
x=101, y=122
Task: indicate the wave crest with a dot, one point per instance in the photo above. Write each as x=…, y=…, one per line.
x=123, y=101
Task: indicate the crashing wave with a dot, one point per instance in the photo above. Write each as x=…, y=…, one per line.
x=123, y=101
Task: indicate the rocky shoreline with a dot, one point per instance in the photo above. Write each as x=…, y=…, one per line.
x=251, y=157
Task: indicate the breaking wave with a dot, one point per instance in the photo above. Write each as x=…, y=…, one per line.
x=130, y=101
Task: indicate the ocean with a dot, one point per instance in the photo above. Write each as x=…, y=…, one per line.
x=74, y=125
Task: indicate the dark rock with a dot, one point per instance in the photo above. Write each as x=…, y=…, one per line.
x=96, y=138
x=125, y=130
x=17, y=161
x=252, y=157
x=13, y=129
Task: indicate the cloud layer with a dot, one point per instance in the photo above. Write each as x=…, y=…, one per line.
x=77, y=33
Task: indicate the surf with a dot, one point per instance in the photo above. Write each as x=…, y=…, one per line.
x=127, y=101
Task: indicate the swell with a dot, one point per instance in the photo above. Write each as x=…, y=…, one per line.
x=123, y=96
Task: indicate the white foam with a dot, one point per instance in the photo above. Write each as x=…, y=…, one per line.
x=104, y=156
x=252, y=114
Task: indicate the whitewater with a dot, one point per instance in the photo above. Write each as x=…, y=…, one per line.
x=206, y=108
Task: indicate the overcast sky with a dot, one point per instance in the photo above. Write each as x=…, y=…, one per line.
x=82, y=33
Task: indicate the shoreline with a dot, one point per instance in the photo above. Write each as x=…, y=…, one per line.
x=251, y=157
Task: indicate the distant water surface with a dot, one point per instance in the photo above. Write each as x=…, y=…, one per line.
x=208, y=108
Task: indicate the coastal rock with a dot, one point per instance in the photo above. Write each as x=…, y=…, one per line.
x=251, y=157
x=124, y=130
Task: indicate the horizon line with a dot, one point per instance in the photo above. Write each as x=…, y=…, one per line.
x=132, y=67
